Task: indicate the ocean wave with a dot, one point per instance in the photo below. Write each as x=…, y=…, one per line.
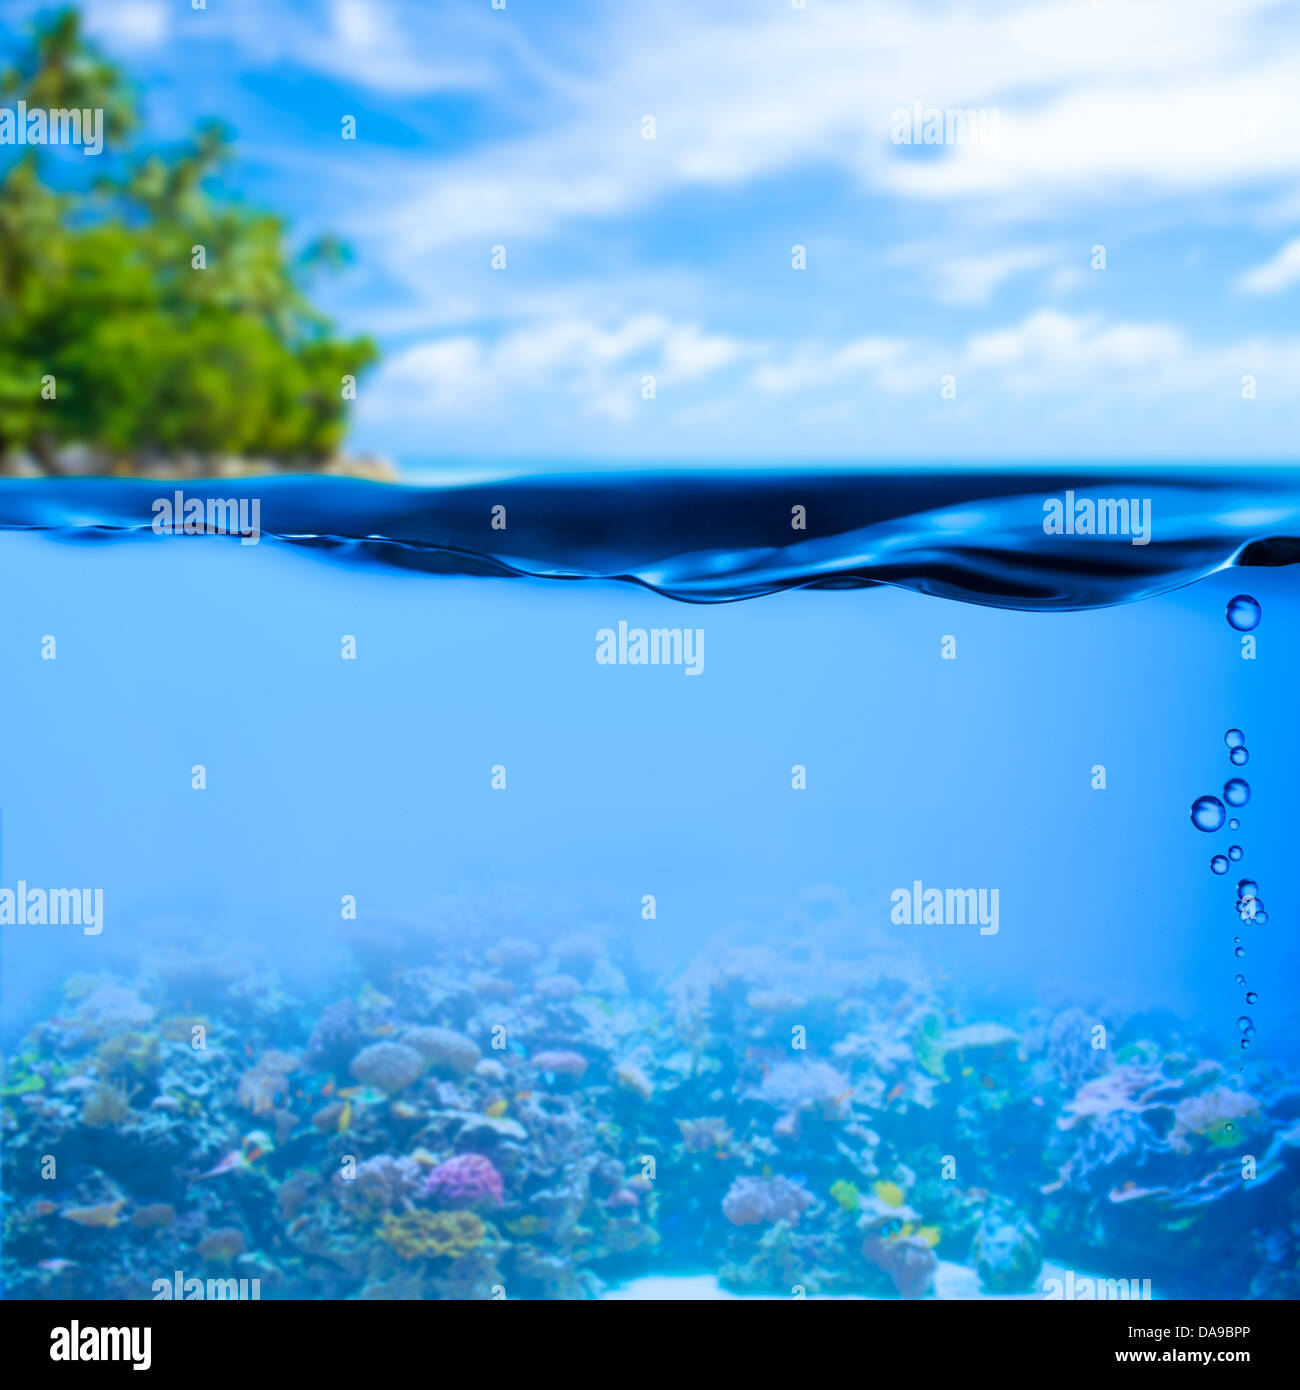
x=1023, y=538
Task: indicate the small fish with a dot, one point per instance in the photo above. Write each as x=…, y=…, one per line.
x=345, y=1116
x=367, y=1095
x=327, y=1089
x=968, y=1071
x=895, y=1093
x=56, y=1266
x=1038, y=1101
x=496, y=1110
x=988, y=1083
x=523, y=1095
x=233, y=1161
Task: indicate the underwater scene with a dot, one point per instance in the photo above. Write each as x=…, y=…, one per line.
x=769, y=883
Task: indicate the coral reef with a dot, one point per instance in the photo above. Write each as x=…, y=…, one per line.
x=536, y=1113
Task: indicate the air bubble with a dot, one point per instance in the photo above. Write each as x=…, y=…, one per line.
x=1252, y=997
x=1234, y=738
x=1243, y=613
x=1207, y=813
x=1234, y=824
x=1241, y=979
x=1219, y=864
x=1236, y=791
x=1235, y=852
x=1239, y=757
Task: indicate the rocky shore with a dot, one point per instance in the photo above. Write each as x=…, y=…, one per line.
x=81, y=461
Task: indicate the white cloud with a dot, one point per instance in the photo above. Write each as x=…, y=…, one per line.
x=130, y=24
x=1276, y=275
x=1046, y=353
x=597, y=367
x=951, y=275
x=1153, y=92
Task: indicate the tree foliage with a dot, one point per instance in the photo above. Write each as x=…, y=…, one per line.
x=99, y=290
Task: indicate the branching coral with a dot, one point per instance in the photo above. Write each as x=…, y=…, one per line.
x=105, y=1105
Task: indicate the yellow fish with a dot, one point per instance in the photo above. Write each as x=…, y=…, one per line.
x=345, y=1116
x=890, y=1193
x=496, y=1110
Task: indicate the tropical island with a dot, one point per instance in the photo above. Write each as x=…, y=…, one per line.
x=150, y=325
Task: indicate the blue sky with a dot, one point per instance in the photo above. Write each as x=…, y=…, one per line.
x=1169, y=133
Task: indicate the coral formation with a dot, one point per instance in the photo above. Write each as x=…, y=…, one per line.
x=465, y=1180
x=430, y=1235
x=454, y=1117
x=389, y=1066
x=750, y=1201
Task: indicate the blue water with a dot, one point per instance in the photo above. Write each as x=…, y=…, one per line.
x=476, y=652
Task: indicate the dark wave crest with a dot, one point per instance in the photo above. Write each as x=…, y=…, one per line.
x=717, y=536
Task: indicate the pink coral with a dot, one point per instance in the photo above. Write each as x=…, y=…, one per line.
x=465, y=1181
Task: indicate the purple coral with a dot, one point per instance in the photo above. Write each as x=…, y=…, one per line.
x=750, y=1201
x=467, y=1180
